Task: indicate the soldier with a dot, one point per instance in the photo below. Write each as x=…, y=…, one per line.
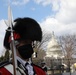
x=44, y=67
x=26, y=31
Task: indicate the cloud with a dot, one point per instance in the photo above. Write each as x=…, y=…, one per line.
x=67, y=11
x=20, y=2
x=2, y=33
x=51, y=24
x=43, y=2
x=54, y=3
x=64, y=21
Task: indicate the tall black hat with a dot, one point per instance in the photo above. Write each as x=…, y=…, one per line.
x=24, y=29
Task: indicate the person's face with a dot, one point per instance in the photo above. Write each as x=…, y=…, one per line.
x=24, y=47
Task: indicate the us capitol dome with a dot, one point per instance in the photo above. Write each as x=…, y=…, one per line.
x=53, y=48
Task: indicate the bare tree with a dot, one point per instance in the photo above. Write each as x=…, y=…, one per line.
x=68, y=44
x=40, y=47
x=45, y=38
x=39, y=58
x=43, y=44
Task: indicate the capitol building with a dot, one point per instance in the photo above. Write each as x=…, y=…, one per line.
x=53, y=48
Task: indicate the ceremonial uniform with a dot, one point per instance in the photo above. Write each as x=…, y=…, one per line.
x=25, y=32
x=7, y=69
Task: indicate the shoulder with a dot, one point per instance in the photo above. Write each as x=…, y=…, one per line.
x=5, y=68
x=38, y=70
x=4, y=63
